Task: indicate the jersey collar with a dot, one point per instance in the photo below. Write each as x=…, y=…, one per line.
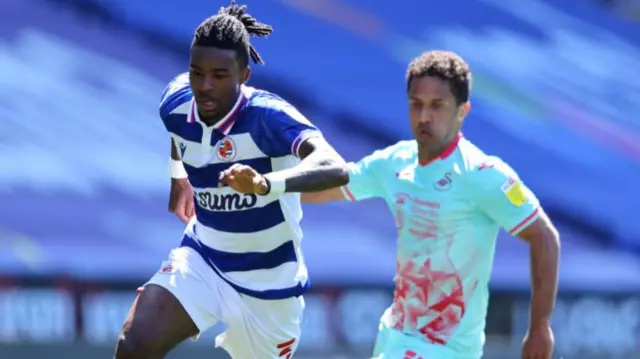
x=226, y=123
x=446, y=152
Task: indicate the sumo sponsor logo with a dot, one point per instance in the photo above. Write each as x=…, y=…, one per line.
x=226, y=202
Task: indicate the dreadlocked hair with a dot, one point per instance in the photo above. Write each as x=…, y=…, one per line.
x=230, y=29
x=445, y=65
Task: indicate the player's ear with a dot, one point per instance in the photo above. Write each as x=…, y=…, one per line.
x=246, y=73
x=464, y=110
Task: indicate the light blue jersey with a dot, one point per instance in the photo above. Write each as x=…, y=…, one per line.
x=448, y=213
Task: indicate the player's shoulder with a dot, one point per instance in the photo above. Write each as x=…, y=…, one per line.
x=269, y=106
x=263, y=101
x=401, y=153
x=176, y=96
x=478, y=167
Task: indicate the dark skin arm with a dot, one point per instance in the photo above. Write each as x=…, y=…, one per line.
x=181, y=194
x=174, y=152
x=544, y=249
x=321, y=168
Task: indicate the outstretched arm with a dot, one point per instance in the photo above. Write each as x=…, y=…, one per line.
x=321, y=173
x=321, y=168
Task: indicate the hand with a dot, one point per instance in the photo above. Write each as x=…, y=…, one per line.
x=244, y=179
x=181, y=199
x=538, y=343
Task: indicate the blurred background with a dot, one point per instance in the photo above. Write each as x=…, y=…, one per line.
x=84, y=187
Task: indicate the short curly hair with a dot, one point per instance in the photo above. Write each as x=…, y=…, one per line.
x=445, y=65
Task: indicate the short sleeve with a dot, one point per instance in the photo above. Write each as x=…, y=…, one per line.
x=291, y=127
x=175, y=96
x=364, y=178
x=502, y=196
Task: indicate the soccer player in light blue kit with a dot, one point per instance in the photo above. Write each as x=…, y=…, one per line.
x=449, y=200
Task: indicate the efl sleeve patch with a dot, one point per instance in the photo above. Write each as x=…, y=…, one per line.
x=512, y=189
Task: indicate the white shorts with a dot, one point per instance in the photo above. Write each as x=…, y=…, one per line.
x=257, y=329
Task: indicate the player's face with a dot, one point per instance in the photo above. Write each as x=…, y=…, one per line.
x=435, y=115
x=215, y=76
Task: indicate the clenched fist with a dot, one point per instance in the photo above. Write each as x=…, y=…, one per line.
x=244, y=179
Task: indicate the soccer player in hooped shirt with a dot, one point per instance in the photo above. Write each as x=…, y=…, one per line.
x=449, y=200
x=246, y=155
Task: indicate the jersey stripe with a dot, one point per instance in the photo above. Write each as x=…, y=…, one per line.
x=525, y=222
x=261, y=219
x=248, y=261
x=264, y=241
x=175, y=126
x=292, y=291
x=201, y=177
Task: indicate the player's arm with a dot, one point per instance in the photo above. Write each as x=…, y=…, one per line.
x=181, y=202
x=505, y=199
x=174, y=152
x=181, y=194
x=320, y=168
x=363, y=182
x=544, y=249
x=176, y=167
